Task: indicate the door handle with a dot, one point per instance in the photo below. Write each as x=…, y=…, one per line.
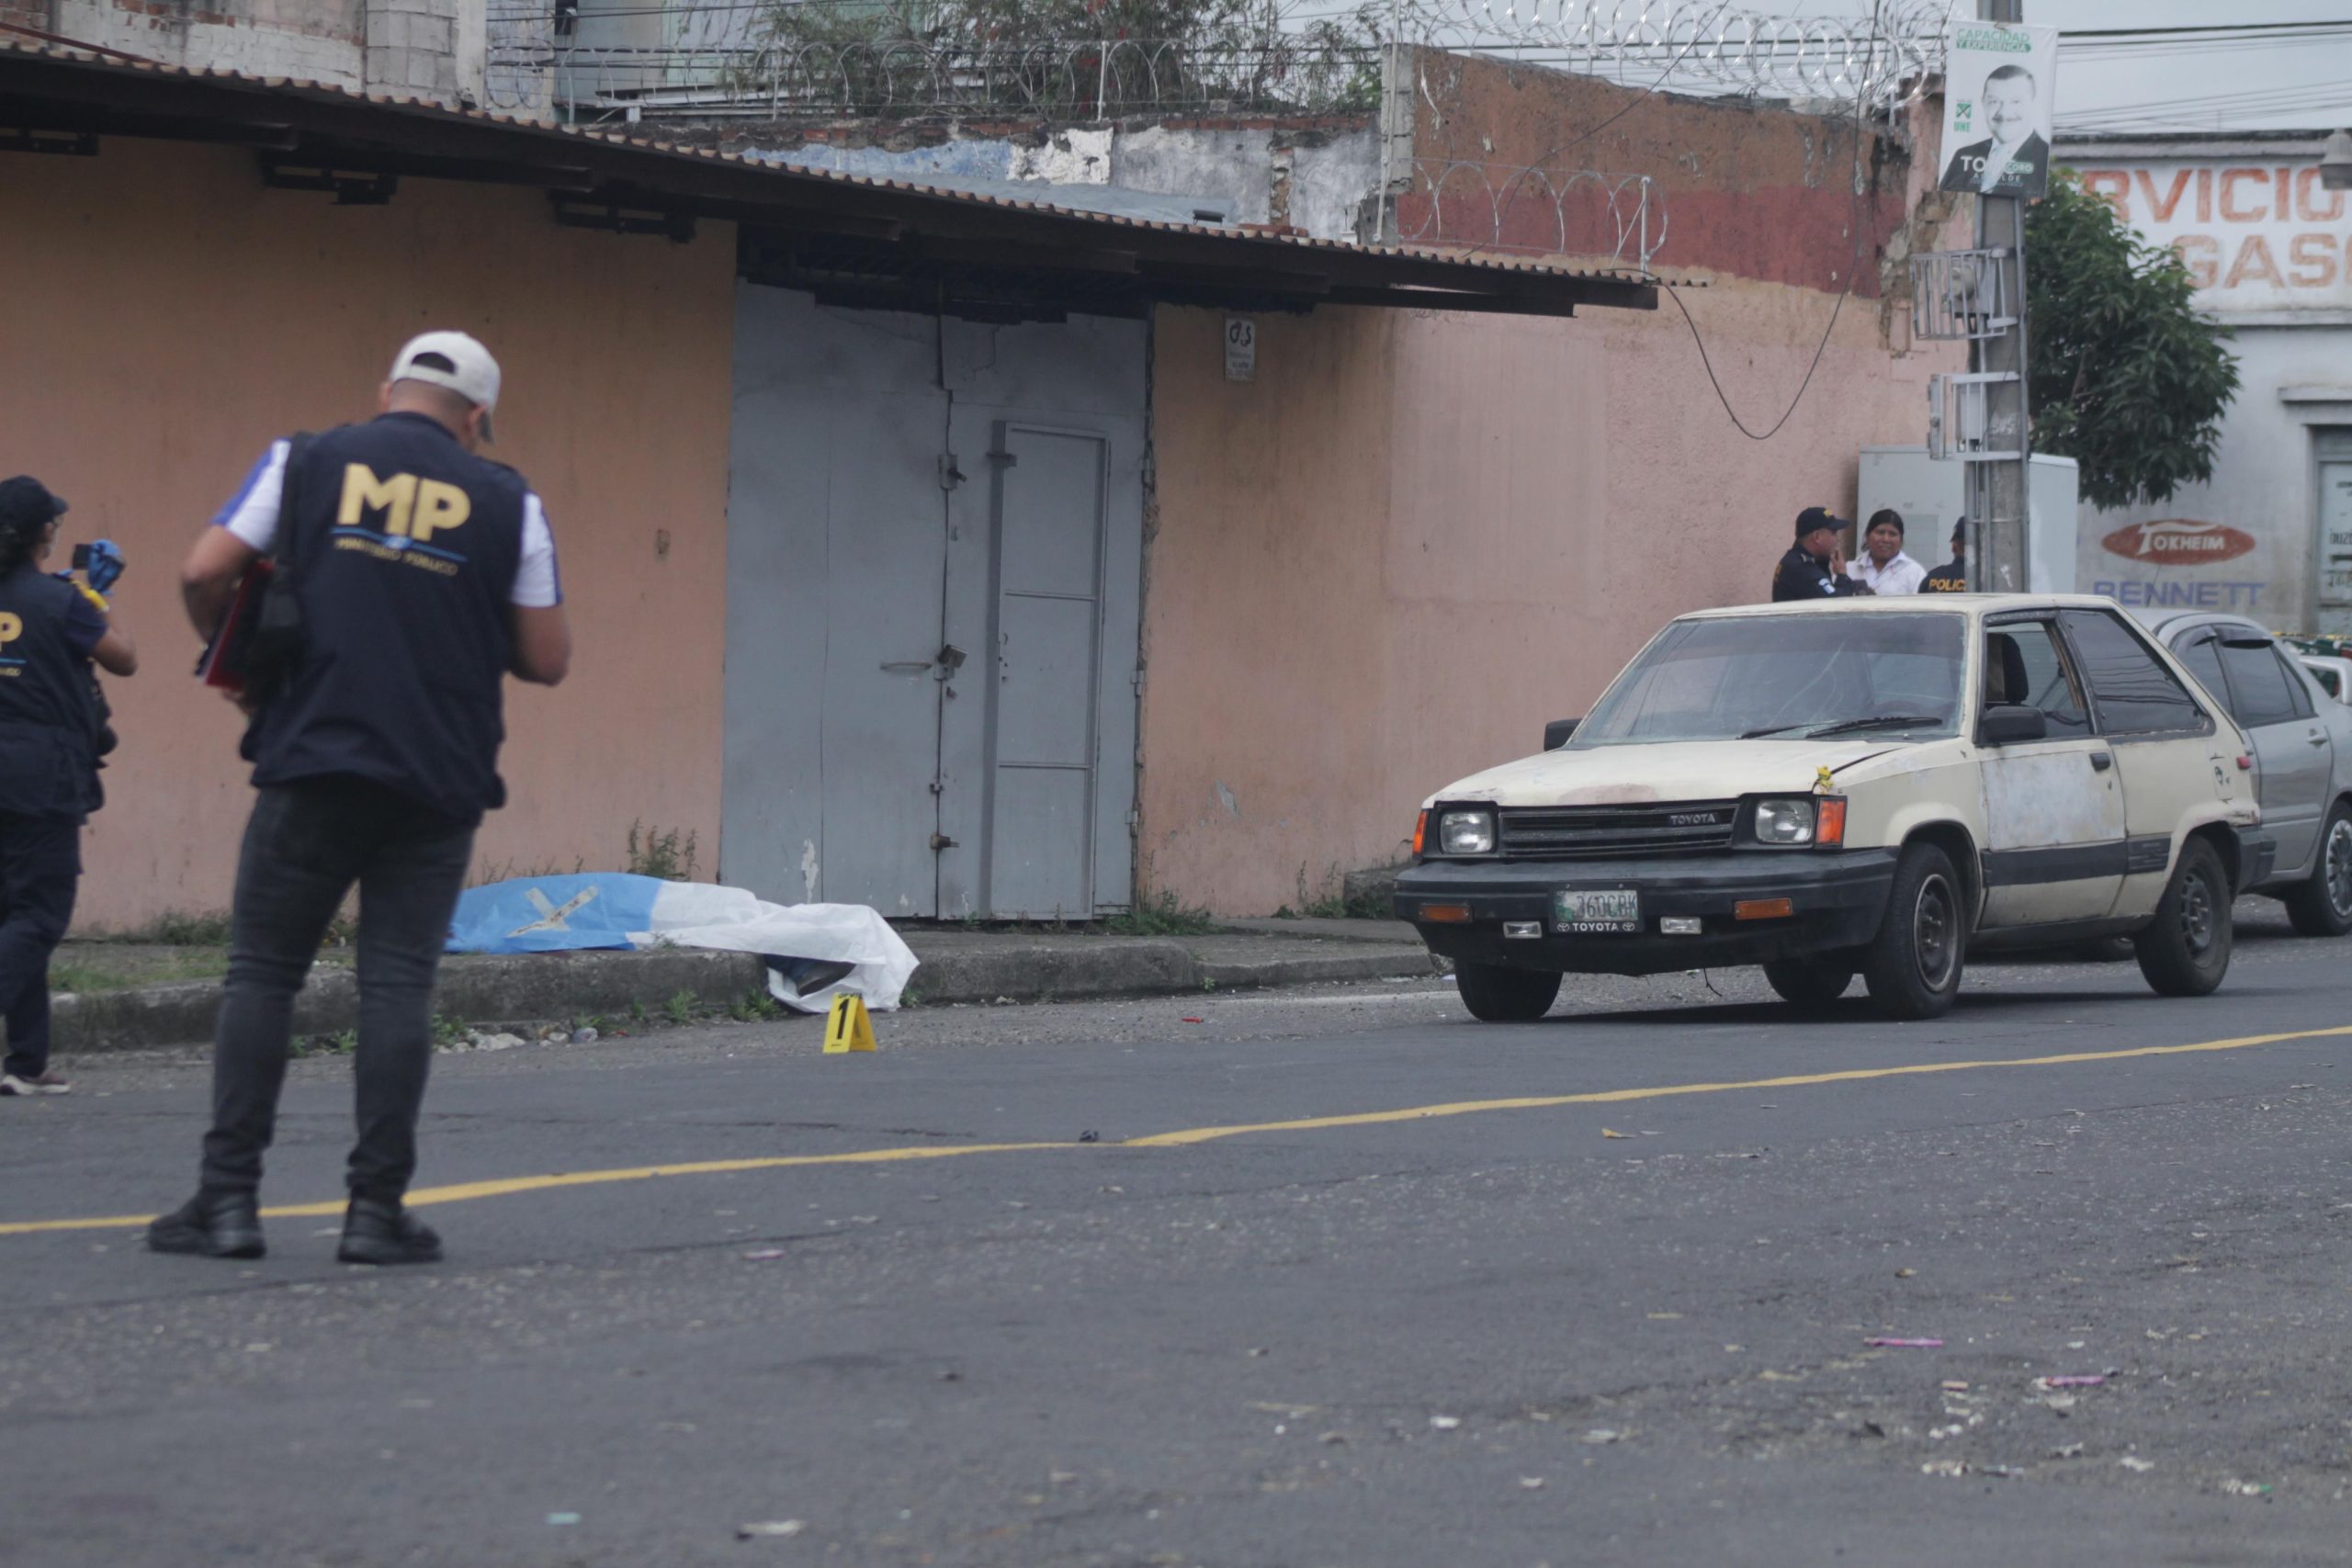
x=2316, y=739
x=2102, y=761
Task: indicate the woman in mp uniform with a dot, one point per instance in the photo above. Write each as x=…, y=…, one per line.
x=52, y=630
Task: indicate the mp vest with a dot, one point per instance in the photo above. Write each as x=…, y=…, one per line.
x=405, y=550
x=48, y=764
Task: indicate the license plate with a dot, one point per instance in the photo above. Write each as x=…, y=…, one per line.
x=1611, y=909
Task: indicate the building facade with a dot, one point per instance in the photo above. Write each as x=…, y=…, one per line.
x=2271, y=249
x=945, y=551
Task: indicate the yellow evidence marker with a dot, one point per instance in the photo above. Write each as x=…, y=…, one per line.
x=849, y=1027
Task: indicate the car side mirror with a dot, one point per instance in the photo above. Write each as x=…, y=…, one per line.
x=2008, y=724
x=1557, y=733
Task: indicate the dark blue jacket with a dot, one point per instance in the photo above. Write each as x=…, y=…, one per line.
x=49, y=765
x=405, y=551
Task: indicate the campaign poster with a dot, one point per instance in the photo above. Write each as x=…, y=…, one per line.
x=2000, y=83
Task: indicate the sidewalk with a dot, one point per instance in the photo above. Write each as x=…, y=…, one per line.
x=139, y=997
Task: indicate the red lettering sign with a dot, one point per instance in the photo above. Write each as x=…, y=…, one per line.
x=2178, y=541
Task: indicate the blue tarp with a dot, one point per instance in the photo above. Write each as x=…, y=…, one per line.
x=555, y=914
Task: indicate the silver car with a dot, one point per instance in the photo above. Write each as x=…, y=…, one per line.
x=2302, y=743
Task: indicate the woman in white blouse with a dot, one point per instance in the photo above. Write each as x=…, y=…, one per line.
x=1882, y=566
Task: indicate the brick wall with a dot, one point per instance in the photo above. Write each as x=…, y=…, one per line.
x=26, y=14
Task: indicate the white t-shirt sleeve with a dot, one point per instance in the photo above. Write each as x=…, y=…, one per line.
x=252, y=513
x=538, y=584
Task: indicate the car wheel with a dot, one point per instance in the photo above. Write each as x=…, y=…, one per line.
x=2186, y=951
x=1808, y=982
x=2321, y=904
x=1912, y=965
x=1496, y=993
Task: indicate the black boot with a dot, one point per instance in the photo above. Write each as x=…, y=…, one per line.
x=211, y=1224
x=377, y=1232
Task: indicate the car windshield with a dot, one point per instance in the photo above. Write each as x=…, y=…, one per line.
x=1802, y=676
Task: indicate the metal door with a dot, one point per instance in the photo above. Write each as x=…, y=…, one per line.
x=1044, y=658
x=1037, y=733
x=837, y=552
x=2053, y=810
x=2335, y=448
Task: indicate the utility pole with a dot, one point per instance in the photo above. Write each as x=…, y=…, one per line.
x=1997, y=490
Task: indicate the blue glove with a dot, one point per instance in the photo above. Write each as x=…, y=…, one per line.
x=105, y=565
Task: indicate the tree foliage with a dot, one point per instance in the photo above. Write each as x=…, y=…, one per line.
x=2127, y=379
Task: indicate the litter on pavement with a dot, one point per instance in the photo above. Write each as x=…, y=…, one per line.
x=1905, y=1344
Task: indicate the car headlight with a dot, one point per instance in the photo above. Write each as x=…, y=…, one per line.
x=1785, y=822
x=1466, y=832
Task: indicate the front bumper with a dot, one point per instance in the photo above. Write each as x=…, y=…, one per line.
x=1838, y=898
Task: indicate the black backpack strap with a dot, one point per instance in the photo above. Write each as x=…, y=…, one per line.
x=278, y=639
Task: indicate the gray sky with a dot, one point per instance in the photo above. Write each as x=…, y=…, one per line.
x=2193, y=84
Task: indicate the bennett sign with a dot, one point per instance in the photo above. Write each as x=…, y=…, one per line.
x=2179, y=542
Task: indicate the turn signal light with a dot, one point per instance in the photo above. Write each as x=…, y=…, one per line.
x=1829, y=822
x=1421, y=832
x=1752, y=910
x=1452, y=914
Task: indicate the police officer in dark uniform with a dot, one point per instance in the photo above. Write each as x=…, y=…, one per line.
x=51, y=631
x=1952, y=577
x=1814, y=568
x=422, y=575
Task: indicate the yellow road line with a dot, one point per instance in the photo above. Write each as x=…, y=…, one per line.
x=509, y=1186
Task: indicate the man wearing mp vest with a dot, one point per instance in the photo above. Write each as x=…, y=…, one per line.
x=421, y=576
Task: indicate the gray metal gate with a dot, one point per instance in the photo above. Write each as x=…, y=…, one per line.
x=934, y=566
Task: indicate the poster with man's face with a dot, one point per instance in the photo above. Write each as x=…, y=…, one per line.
x=1999, y=82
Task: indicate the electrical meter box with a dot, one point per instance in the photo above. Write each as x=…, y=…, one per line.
x=1929, y=492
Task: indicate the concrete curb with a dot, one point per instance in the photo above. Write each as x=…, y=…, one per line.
x=501, y=989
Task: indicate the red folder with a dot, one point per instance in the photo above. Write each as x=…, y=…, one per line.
x=223, y=662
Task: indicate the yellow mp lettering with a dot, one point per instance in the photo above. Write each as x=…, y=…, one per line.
x=362, y=491
x=12, y=627
x=439, y=506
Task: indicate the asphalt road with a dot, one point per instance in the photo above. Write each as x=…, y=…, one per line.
x=1607, y=1301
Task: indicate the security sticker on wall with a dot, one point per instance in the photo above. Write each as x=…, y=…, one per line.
x=1240, y=348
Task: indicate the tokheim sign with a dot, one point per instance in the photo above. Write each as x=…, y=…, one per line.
x=2179, y=542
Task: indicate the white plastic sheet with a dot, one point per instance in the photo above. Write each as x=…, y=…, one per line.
x=814, y=952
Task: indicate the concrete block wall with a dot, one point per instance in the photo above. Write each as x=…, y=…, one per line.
x=312, y=41
x=431, y=49
x=428, y=49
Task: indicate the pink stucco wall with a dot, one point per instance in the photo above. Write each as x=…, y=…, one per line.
x=166, y=317
x=1416, y=537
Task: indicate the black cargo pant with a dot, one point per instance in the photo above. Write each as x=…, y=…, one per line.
x=40, y=867
x=305, y=846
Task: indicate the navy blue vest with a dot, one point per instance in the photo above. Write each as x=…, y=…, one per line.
x=47, y=764
x=405, y=550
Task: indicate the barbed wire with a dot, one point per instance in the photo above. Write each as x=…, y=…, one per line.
x=1874, y=61
x=714, y=62
x=1620, y=219
x=1089, y=78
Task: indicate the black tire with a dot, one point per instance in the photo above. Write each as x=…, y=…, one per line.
x=1496, y=993
x=1808, y=982
x=2185, y=952
x=2321, y=905
x=1912, y=965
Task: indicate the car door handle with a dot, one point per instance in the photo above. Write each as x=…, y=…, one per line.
x=2316, y=739
x=2102, y=761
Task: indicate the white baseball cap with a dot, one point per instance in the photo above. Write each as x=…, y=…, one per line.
x=454, y=360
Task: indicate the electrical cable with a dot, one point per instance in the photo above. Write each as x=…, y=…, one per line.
x=1854, y=261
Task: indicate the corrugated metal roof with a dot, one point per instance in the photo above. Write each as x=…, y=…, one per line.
x=25, y=67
